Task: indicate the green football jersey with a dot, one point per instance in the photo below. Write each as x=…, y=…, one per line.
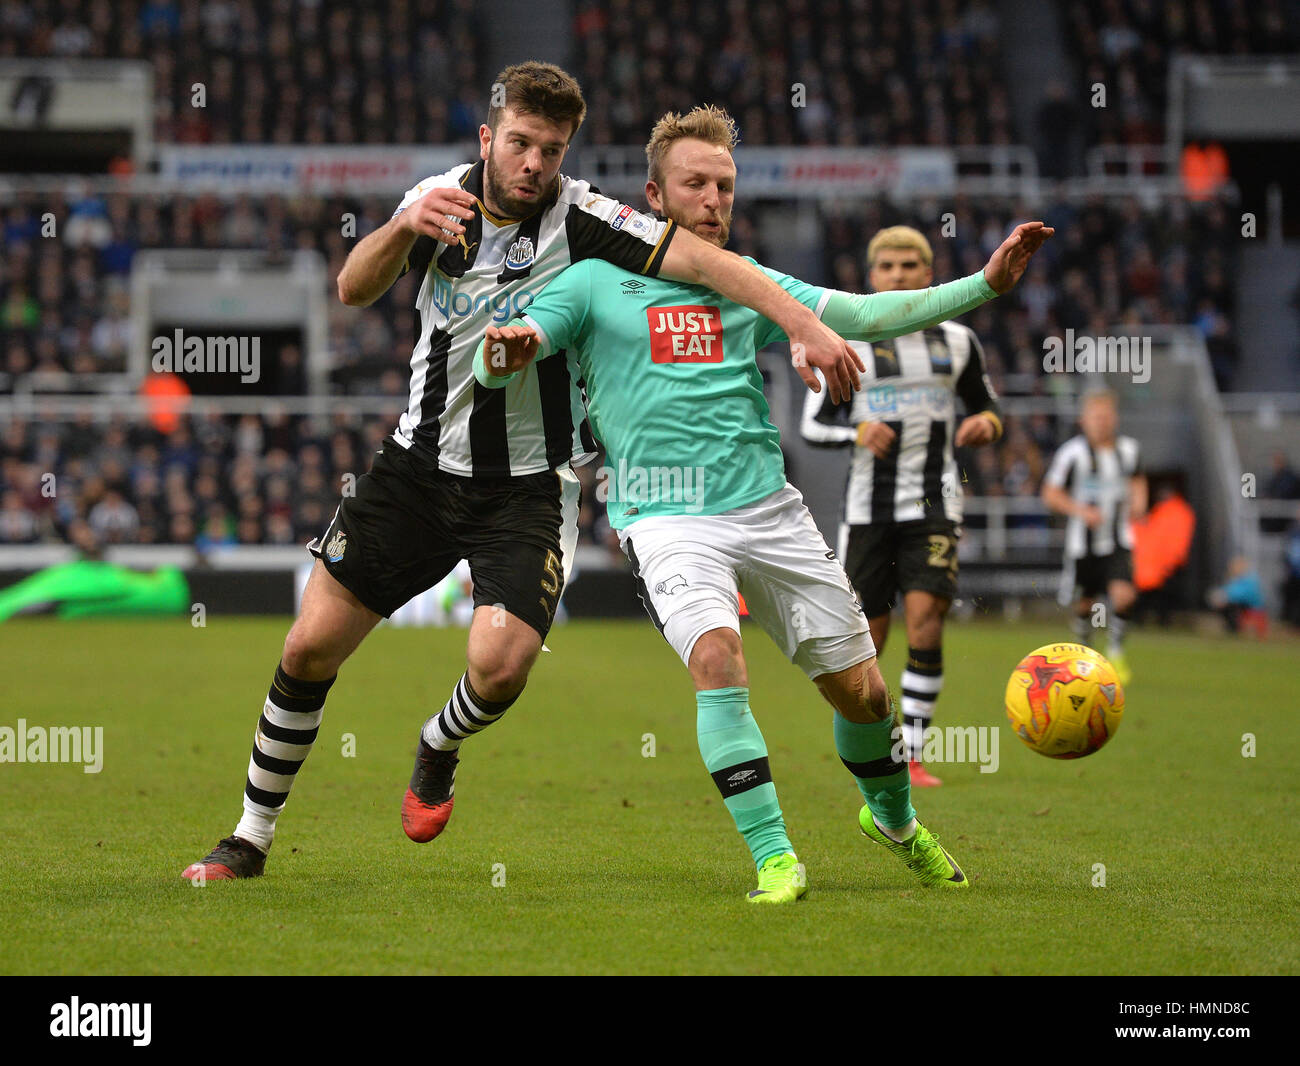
x=673, y=388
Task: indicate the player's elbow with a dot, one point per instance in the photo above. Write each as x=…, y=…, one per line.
x=350, y=295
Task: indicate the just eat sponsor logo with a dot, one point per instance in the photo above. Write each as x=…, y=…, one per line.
x=690, y=333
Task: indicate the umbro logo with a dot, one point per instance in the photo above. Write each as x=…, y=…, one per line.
x=632, y=286
x=741, y=776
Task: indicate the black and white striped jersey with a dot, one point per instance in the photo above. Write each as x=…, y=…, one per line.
x=911, y=383
x=1098, y=477
x=538, y=421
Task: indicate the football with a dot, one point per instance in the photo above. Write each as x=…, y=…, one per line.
x=1065, y=700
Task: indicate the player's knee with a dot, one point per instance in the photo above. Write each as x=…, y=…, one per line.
x=927, y=632
x=925, y=624
x=307, y=657
x=1123, y=598
x=502, y=676
x=718, y=661
x=858, y=693
x=877, y=703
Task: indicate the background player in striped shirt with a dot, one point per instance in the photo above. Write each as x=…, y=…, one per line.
x=674, y=391
x=903, y=503
x=1096, y=480
x=470, y=472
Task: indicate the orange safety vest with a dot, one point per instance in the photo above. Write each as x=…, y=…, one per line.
x=1161, y=542
x=161, y=390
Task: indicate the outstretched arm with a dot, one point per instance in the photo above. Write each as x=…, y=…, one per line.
x=882, y=315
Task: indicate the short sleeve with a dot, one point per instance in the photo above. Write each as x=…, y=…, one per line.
x=1059, y=471
x=425, y=247
x=601, y=228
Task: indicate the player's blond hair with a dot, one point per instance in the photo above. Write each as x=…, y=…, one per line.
x=1099, y=394
x=704, y=123
x=899, y=237
x=541, y=89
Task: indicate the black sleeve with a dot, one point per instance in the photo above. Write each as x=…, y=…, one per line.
x=601, y=228
x=827, y=424
x=974, y=387
x=421, y=255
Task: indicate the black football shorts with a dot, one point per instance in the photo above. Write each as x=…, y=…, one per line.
x=1094, y=573
x=409, y=524
x=886, y=558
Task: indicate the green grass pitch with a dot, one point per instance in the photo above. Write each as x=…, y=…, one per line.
x=614, y=862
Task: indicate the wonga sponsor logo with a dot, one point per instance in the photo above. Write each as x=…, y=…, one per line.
x=690, y=333
x=501, y=306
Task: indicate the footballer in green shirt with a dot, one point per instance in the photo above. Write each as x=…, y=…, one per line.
x=696, y=489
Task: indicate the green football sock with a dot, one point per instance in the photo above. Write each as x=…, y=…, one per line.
x=732, y=747
x=870, y=752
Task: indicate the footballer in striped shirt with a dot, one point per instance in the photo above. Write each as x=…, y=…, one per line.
x=1095, y=479
x=903, y=503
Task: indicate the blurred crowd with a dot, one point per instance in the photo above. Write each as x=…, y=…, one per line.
x=293, y=72
x=852, y=72
x=215, y=480
x=65, y=308
x=65, y=304
x=1127, y=45
x=870, y=72
x=866, y=72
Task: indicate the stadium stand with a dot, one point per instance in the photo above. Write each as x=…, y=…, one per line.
x=328, y=72
x=1127, y=44
x=872, y=73
x=934, y=62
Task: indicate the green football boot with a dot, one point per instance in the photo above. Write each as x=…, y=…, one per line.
x=922, y=854
x=1122, y=669
x=781, y=879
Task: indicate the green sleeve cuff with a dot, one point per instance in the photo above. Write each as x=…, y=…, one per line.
x=481, y=375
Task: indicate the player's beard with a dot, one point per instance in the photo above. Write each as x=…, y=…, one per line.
x=498, y=191
x=724, y=223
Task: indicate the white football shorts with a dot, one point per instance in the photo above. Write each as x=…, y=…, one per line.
x=691, y=569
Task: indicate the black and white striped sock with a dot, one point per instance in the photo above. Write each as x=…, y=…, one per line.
x=1082, y=626
x=1115, y=626
x=922, y=683
x=285, y=733
x=465, y=714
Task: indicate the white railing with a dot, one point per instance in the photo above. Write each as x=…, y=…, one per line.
x=33, y=406
x=996, y=541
